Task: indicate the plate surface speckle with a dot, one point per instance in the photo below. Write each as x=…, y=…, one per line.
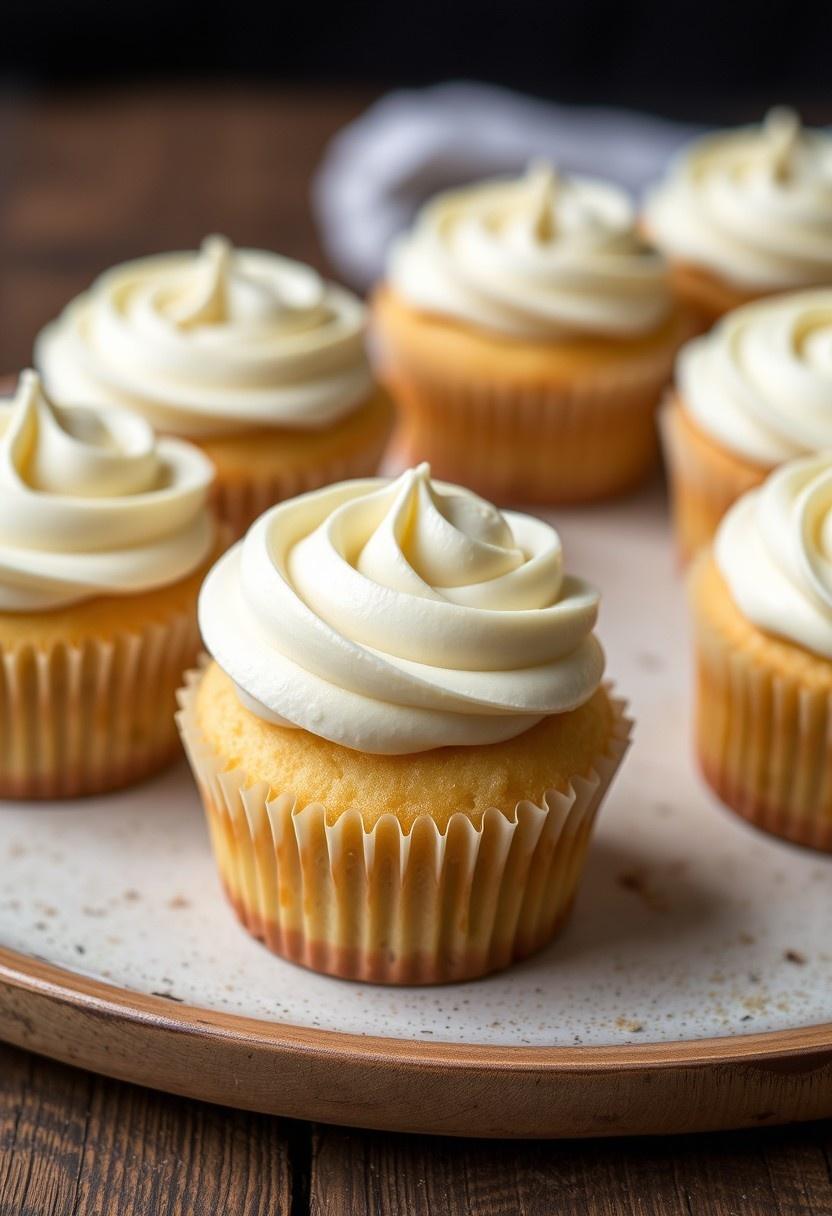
x=689, y=924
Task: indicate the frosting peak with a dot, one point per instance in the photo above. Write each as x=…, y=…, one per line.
x=543, y=182
x=781, y=141
x=222, y=340
x=774, y=549
x=760, y=382
x=753, y=205
x=543, y=256
x=431, y=544
x=399, y=616
x=223, y=292
x=76, y=452
x=92, y=504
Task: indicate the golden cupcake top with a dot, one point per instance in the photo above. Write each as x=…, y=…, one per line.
x=760, y=382
x=752, y=205
x=774, y=550
x=214, y=342
x=542, y=257
x=92, y=503
x=399, y=616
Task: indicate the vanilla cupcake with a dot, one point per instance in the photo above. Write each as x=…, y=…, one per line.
x=745, y=213
x=251, y=356
x=403, y=737
x=750, y=395
x=762, y=605
x=526, y=333
x=105, y=534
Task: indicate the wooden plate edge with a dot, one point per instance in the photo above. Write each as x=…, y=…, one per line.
x=410, y=1085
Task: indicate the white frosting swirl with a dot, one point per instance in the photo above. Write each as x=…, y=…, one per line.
x=774, y=549
x=398, y=616
x=752, y=205
x=543, y=257
x=92, y=504
x=761, y=381
x=210, y=343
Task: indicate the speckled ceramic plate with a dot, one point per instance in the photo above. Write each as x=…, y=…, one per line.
x=692, y=989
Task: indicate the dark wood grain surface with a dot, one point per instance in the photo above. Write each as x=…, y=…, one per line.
x=90, y=179
x=86, y=180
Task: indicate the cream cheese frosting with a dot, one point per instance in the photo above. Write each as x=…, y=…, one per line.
x=760, y=382
x=774, y=550
x=91, y=503
x=397, y=616
x=753, y=205
x=217, y=342
x=543, y=257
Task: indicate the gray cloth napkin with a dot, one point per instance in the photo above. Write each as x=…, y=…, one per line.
x=412, y=143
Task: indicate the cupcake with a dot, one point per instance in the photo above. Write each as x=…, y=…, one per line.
x=105, y=535
x=752, y=394
x=403, y=737
x=745, y=213
x=249, y=355
x=762, y=606
x=527, y=333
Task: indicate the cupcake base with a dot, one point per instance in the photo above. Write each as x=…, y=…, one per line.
x=763, y=719
x=704, y=478
x=88, y=693
x=524, y=422
x=392, y=904
x=256, y=469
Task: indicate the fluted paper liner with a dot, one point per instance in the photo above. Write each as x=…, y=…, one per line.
x=386, y=905
x=703, y=484
x=244, y=489
x=84, y=719
x=549, y=443
x=571, y=432
x=764, y=741
x=240, y=501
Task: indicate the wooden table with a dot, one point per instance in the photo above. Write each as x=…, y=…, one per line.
x=86, y=181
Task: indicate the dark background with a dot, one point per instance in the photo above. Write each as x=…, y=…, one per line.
x=702, y=60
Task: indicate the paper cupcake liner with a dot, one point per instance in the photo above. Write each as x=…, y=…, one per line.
x=546, y=443
x=84, y=719
x=240, y=500
x=764, y=740
x=703, y=480
x=388, y=906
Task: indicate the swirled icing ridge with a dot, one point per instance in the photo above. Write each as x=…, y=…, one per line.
x=215, y=342
x=394, y=617
x=91, y=503
x=542, y=257
x=753, y=205
x=774, y=550
x=761, y=381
